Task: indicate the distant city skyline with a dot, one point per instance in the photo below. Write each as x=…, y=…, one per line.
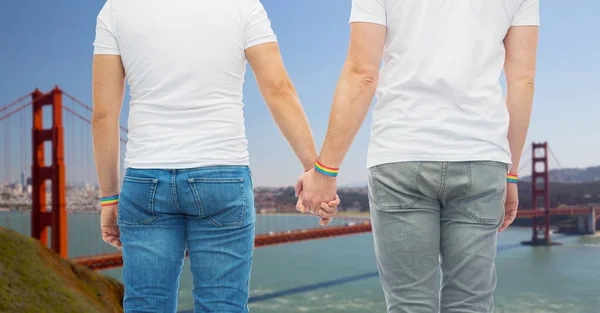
x=47, y=44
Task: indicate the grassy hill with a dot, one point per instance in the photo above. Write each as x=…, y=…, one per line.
x=33, y=279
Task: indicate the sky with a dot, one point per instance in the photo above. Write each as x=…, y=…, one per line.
x=48, y=43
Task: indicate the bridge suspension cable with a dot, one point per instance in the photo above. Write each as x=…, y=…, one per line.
x=525, y=166
x=6, y=107
x=554, y=157
x=525, y=156
x=18, y=109
x=9, y=114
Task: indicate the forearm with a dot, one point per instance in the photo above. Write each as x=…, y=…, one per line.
x=106, y=140
x=351, y=102
x=519, y=99
x=291, y=120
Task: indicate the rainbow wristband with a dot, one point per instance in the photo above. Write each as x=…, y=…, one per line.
x=329, y=171
x=512, y=178
x=109, y=200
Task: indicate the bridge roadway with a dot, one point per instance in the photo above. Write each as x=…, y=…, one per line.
x=358, y=226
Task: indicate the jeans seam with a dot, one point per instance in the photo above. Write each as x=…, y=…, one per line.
x=140, y=180
x=442, y=180
x=418, y=175
x=492, y=163
x=244, y=208
x=214, y=222
x=192, y=183
x=218, y=180
x=375, y=189
x=174, y=190
x=470, y=176
x=213, y=167
x=153, y=187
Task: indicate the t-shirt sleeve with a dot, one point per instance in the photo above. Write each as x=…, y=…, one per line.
x=106, y=42
x=258, y=26
x=369, y=11
x=528, y=13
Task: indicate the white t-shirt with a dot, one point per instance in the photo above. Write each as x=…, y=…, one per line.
x=439, y=96
x=185, y=65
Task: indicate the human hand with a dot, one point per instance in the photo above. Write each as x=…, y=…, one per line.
x=108, y=226
x=511, y=205
x=326, y=211
x=317, y=195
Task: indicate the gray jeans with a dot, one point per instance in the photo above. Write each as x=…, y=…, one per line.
x=432, y=215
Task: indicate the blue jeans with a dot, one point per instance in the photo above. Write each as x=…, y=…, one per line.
x=210, y=211
x=432, y=215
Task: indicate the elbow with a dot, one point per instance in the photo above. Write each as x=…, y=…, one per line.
x=530, y=82
x=522, y=78
x=522, y=83
x=527, y=80
x=366, y=75
x=101, y=118
x=280, y=89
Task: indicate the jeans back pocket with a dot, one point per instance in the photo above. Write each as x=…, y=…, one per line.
x=222, y=201
x=394, y=186
x=486, y=193
x=136, y=201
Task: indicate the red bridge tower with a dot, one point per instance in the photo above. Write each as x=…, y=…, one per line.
x=540, y=193
x=54, y=172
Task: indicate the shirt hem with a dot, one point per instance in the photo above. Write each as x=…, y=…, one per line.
x=366, y=19
x=179, y=166
x=260, y=41
x=436, y=158
x=526, y=21
x=99, y=50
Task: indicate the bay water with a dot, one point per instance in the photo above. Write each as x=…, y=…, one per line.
x=340, y=274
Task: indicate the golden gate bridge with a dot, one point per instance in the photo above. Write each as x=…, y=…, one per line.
x=34, y=128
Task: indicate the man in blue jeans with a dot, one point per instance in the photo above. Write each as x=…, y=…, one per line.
x=443, y=140
x=187, y=184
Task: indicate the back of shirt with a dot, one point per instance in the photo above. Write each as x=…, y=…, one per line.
x=439, y=96
x=185, y=64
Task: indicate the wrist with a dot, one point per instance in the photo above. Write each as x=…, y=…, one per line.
x=512, y=178
x=308, y=159
x=308, y=165
x=325, y=170
x=324, y=177
x=109, y=200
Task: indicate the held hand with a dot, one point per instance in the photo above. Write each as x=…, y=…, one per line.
x=317, y=195
x=317, y=188
x=326, y=211
x=510, y=206
x=108, y=226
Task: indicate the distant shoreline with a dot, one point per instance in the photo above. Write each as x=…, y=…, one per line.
x=343, y=214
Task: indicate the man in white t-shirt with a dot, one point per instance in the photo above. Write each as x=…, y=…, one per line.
x=443, y=140
x=187, y=184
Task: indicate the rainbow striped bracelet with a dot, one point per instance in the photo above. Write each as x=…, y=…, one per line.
x=109, y=200
x=329, y=171
x=512, y=178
